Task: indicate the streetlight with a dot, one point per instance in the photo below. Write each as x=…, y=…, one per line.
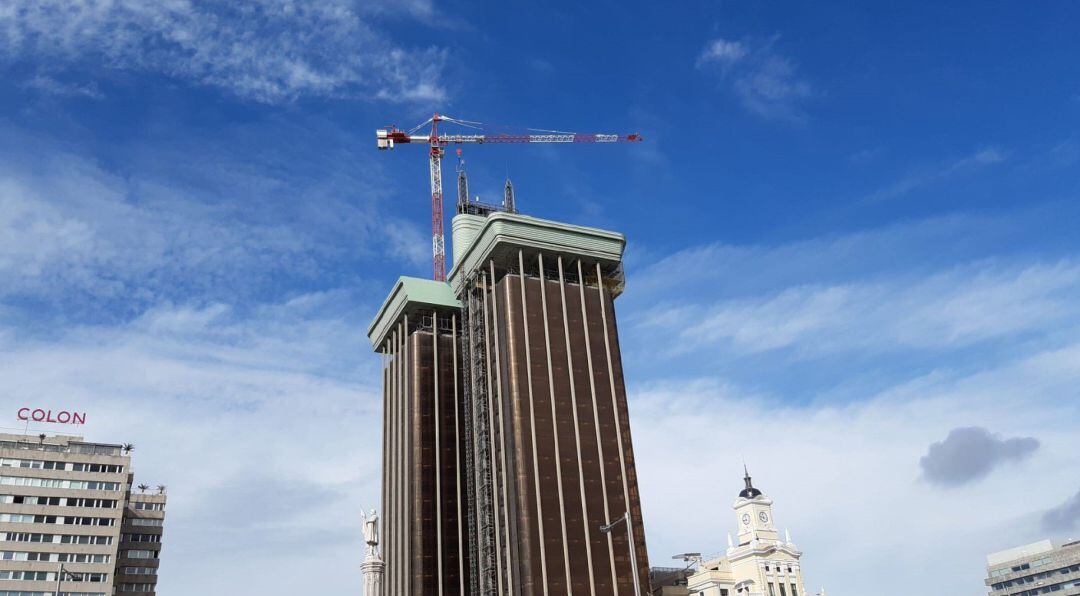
x=60, y=578
x=633, y=554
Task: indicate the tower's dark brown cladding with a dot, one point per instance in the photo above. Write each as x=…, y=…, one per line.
x=506, y=438
x=562, y=456
x=423, y=532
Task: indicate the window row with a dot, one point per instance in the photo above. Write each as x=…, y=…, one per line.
x=59, y=501
x=70, y=466
x=58, y=483
x=783, y=589
x=8, y=555
x=54, y=538
x=142, y=537
x=141, y=554
x=50, y=576
x=1036, y=577
x=65, y=520
x=146, y=521
x=84, y=448
x=139, y=570
x=143, y=506
x=136, y=587
x=1048, y=589
x=27, y=593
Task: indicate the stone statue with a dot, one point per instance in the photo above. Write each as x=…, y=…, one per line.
x=373, y=566
x=371, y=531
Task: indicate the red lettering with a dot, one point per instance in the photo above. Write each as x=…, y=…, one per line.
x=47, y=415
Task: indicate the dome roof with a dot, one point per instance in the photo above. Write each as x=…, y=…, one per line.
x=749, y=492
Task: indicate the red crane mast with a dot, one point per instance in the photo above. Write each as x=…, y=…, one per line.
x=389, y=137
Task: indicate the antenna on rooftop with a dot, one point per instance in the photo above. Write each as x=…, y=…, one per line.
x=462, y=183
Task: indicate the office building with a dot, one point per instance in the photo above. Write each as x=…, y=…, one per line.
x=670, y=581
x=68, y=519
x=506, y=434
x=1041, y=568
x=757, y=562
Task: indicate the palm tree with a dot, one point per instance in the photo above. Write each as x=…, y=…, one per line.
x=128, y=447
x=143, y=487
x=161, y=489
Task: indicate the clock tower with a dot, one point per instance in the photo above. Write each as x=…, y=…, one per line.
x=759, y=562
x=753, y=510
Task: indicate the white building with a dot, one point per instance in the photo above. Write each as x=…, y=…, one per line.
x=757, y=562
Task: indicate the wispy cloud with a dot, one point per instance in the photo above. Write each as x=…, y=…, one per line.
x=984, y=157
x=765, y=82
x=949, y=309
x=50, y=86
x=78, y=240
x=268, y=51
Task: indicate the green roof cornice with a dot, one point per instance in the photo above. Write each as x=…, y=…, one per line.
x=409, y=295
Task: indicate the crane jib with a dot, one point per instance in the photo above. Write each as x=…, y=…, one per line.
x=538, y=138
x=387, y=138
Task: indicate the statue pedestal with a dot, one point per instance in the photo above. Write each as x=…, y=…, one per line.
x=373, y=568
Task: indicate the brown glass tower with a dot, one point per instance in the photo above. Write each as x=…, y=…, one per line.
x=507, y=439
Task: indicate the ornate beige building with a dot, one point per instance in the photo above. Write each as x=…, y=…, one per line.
x=757, y=562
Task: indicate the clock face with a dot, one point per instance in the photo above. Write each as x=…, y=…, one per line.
x=764, y=517
x=746, y=519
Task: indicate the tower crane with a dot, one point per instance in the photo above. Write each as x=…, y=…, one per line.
x=437, y=142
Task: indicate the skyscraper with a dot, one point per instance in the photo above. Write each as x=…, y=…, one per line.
x=506, y=435
x=68, y=519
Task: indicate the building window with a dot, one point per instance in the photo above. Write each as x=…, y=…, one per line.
x=794, y=592
x=772, y=590
x=59, y=483
x=146, y=521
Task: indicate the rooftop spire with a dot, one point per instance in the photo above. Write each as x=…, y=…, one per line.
x=508, y=196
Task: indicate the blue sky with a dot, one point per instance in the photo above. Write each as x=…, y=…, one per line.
x=853, y=259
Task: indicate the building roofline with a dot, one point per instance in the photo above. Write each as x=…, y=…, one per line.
x=408, y=295
x=532, y=232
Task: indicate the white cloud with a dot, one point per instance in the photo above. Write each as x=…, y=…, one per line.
x=265, y=427
x=949, y=309
x=264, y=50
x=915, y=180
x=166, y=228
x=829, y=364
x=723, y=51
x=845, y=476
x=765, y=82
x=50, y=86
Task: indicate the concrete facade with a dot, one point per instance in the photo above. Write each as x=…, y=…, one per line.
x=506, y=434
x=67, y=502
x=1041, y=568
